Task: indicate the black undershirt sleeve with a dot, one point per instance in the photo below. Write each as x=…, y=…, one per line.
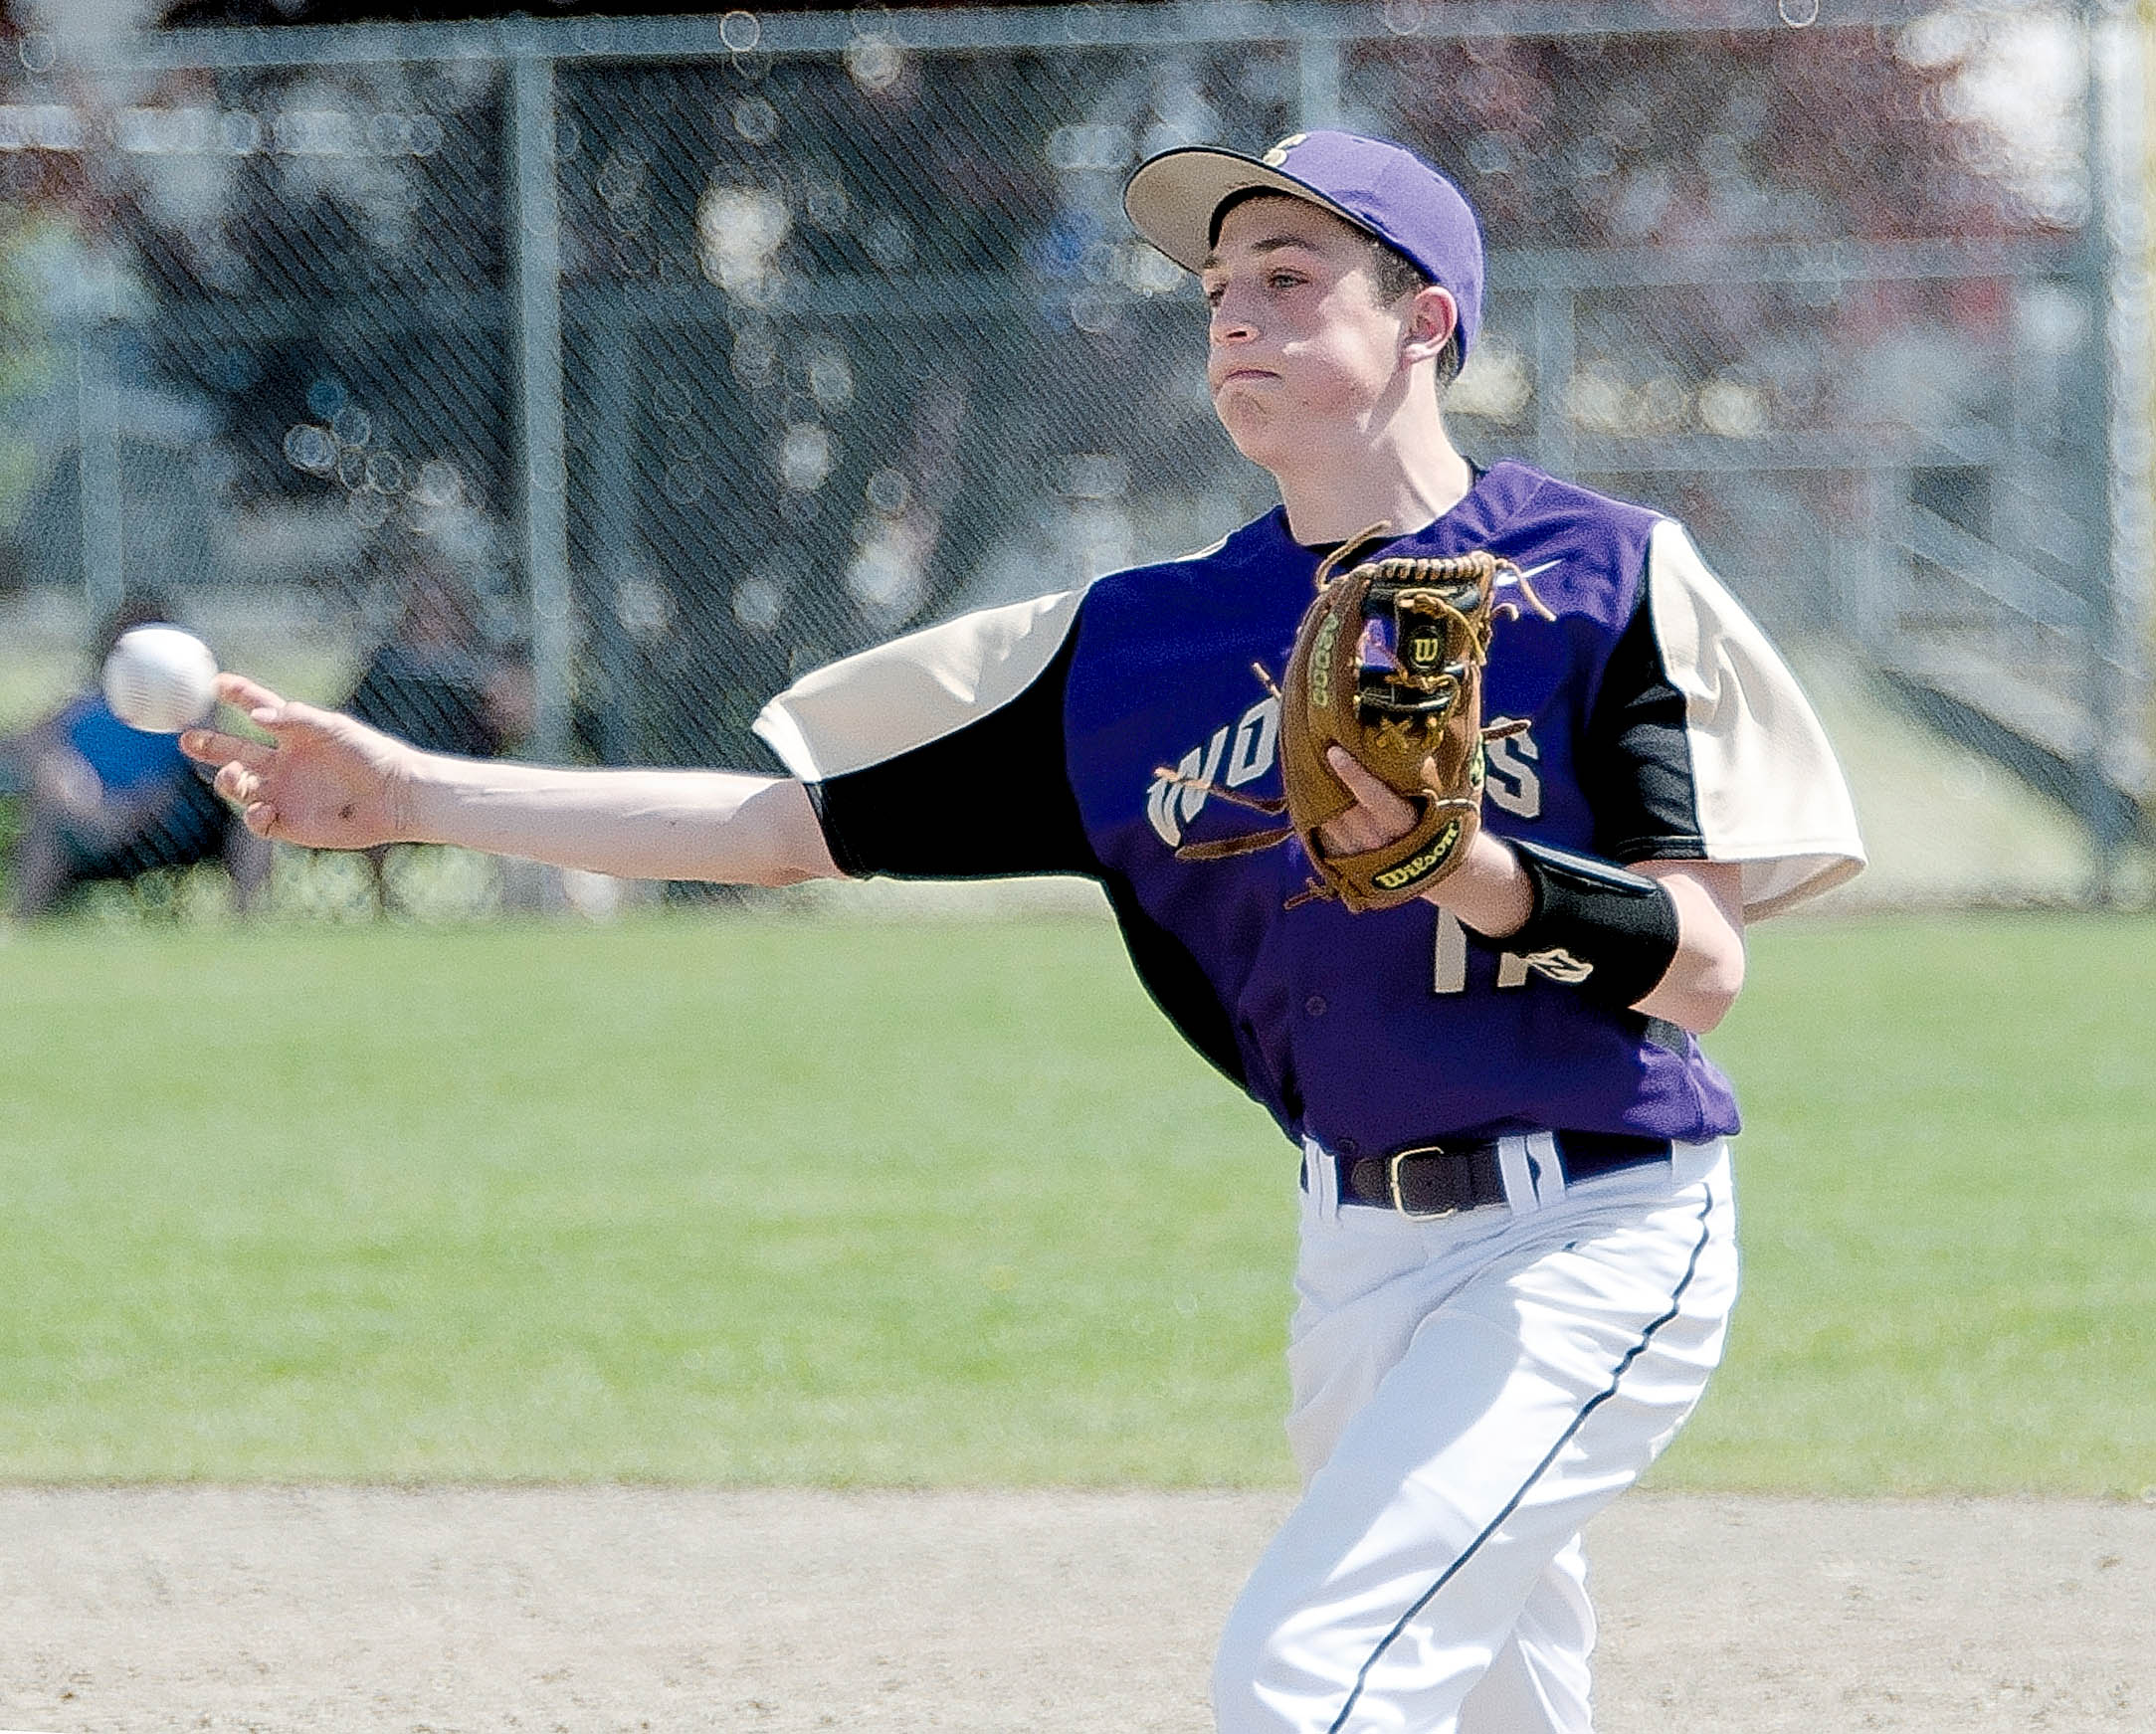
x=1636, y=765
x=1635, y=755
x=990, y=800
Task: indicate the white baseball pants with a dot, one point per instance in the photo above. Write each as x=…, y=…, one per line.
x=1466, y=1394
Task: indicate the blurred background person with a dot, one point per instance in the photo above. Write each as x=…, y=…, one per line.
x=104, y=802
x=437, y=679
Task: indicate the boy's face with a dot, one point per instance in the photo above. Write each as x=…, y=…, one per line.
x=1301, y=353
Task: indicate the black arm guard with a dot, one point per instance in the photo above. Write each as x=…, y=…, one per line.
x=1594, y=926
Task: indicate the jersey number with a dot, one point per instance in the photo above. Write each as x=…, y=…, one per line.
x=1448, y=974
x=1515, y=784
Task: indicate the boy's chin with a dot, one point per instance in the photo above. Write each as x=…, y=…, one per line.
x=1266, y=440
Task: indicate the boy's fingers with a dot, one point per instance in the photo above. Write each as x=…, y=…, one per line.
x=290, y=715
x=211, y=747
x=238, y=784
x=242, y=694
x=1362, y=785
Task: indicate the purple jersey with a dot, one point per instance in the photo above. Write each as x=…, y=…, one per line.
x=1660, y=725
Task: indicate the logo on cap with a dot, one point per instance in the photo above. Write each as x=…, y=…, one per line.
x=1279, y=153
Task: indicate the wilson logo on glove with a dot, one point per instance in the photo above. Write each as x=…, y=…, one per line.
x=1420, y=868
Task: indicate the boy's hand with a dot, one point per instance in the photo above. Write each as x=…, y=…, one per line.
x=323, y=781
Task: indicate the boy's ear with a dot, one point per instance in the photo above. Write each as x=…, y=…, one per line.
x=1431, y=320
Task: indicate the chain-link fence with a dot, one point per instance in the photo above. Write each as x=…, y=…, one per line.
x=568, y=386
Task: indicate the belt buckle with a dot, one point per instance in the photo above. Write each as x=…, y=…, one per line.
x=1399, y=1198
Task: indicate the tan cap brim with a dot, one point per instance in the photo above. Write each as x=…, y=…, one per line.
x=1172, y=196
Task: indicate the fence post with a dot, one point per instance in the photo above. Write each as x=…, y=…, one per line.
x=536, y=237
x=2124, y=720
x=2113, y=406
x=605, y=327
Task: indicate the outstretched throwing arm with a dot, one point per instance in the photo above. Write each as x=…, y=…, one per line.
x=325, y=781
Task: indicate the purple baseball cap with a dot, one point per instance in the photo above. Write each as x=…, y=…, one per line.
x=1381, y=188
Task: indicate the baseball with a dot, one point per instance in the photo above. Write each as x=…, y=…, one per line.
x=160, y=679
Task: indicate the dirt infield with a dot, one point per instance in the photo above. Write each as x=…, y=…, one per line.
x=626, y=1609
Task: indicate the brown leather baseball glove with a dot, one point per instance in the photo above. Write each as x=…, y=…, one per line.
x=1388, y=665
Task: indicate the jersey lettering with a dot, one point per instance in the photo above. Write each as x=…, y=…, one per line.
x=1173, y=802
x=1513, y=782
x=1200, y=770
x=1160, y=812
x=1257, y=735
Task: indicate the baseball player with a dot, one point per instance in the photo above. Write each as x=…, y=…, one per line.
x=1517, y=1255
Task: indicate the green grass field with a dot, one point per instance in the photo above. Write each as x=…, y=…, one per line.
x=741, y=1200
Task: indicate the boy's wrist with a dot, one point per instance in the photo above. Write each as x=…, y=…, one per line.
x=420, y=797
x=1488, y=890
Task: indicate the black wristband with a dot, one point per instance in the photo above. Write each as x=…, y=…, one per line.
x=1594, y=926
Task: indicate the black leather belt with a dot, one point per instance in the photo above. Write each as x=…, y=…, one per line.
x=1441, y=1180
